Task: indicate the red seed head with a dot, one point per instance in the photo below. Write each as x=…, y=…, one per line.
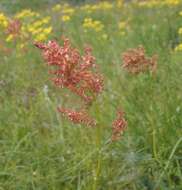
x=72, y=70
x=135, y=61
x=118, y=126
x=14, y=27
x=78, y=117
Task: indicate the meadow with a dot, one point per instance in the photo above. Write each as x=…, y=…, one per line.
x=62, y=135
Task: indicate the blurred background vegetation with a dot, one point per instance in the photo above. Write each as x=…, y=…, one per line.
x=12, y=6
x=40, y=150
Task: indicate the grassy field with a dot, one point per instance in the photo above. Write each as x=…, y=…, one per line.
x=41, y=150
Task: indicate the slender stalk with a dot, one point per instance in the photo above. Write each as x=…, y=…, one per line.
x=154, y=144
x=98, y=144
x=168, y=162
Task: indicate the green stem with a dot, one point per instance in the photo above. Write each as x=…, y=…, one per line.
x=154, y=144
x=168, y=162
x=98, y=144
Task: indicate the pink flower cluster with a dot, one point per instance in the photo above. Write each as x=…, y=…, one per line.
x=135, y=61
x=79, y=74
x=14, y=28
x=78, y=117
x=118, y=126
x=73, y=71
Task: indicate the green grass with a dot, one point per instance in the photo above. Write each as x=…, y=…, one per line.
x=40, y=150
x=13, y=6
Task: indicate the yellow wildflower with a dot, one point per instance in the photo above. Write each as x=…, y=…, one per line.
x=47, y=30
x=172, y=2
x=9, y=38
x=122, y=25
x=36, y=31
x=3, y=20
x=56, y=8
x=180, y=31
x=37, y=23
x=68, y=11
x=87, y=8
x=119, y=3
x=65, y=18
x=178, y=48
x=20, y=46
x=96, y=7
x=93, y=24
x=106, y=5
x=40, y=37
x=46, y=20
x=26, y=13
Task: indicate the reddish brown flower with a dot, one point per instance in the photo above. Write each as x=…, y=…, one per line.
x=78, y=117
x=118, y=126
x=73, y=71
x=14, y=28
x=135, y=61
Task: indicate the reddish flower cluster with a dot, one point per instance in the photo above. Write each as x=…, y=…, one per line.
x=78, y=117
x=135, y=61
x=73, y=71
x=118, y=126
x=79, y=74
x=14, y=28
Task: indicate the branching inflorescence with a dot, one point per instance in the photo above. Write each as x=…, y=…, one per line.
x=78, y=117
x=118, y=126
x=135, y=61
x=73, y=71
x=79, y=74
x=13, y=29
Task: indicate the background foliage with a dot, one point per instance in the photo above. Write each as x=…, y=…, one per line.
x=41, y=150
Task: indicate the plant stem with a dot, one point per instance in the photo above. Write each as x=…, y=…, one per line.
x=168, y=162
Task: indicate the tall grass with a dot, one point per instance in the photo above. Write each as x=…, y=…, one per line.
x=41, y=150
